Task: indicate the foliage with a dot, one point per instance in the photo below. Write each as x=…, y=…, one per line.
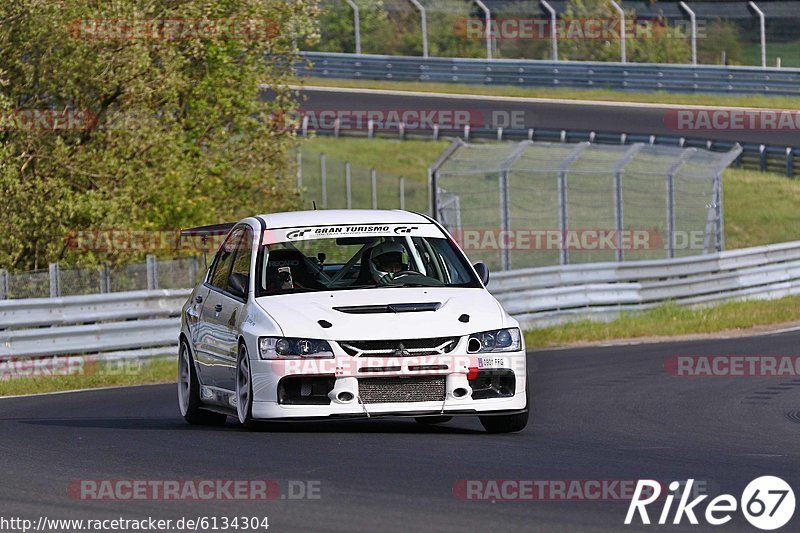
x=182, y=135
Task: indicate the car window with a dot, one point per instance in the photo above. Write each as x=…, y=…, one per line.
x=241, y=262
x=222, y=262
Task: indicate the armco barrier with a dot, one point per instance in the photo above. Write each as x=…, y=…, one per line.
x=146, y=324
x=572, y=74
x=540, y=296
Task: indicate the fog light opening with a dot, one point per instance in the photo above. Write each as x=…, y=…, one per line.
x=460, y=392
x=345, y=397
x=474, y=345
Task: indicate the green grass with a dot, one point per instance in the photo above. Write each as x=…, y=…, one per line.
x=90, y=377
x=788, y=52
x=669, y=320
x=769, y=102
x=759, y=208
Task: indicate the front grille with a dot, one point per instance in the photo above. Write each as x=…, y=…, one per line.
x=412, y=389
x=435, y=346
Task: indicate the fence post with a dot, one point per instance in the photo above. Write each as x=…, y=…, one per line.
x=402, y=193
x=505, y=223
x=789, y=162
x=762, y=158
x=299, y=169
x=553, y=30
x=324, y=181
x=3, y=284
x=374, y=177
x=347, y=185
x=152, y=273
x=193, y=270
x=105, y=279
x=55, y=289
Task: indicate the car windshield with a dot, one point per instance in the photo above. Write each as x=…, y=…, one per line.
x=341, y=263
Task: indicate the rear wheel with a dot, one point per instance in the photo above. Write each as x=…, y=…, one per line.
x=244, y=387
x=508, y=423
x=189, y=392
x=433, y=419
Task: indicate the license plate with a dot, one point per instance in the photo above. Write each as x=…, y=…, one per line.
x=491, y=362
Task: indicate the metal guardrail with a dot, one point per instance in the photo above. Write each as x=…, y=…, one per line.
x=134, y=324
x=763, y=157
x=540, y=296
x=573, y=74
x=536, y=296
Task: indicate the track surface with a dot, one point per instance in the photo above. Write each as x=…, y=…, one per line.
x=599, y=413
x=635, y=118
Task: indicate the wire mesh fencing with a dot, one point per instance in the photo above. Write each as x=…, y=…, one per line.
x=55, y=281
x=529, y=204
x=332, y=183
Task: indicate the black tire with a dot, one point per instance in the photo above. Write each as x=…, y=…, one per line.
x=428, y=420
x=244, y=388
x=508, y=423
x=193, y=414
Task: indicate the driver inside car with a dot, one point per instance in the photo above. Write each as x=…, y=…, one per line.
x=387, y=261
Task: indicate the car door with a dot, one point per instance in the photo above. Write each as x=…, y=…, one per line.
x=233, y=302
x=213, y=334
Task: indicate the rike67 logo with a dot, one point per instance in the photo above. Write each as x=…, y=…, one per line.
x=767, y=503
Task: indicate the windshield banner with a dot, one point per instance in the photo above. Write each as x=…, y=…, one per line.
x=274, y=236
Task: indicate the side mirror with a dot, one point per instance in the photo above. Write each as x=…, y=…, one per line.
x=237, y=285
x=483, y=272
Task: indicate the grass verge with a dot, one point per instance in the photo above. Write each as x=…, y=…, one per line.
x=669, y=320
x=89, y=376
x=758, y=101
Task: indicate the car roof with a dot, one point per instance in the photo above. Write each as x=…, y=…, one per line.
x=333, y=217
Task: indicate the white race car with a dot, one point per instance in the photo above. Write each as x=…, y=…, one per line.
x=348, y=314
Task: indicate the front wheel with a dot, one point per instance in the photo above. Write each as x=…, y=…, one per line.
x=508, y=423
x=189, y=392
x=244, y=387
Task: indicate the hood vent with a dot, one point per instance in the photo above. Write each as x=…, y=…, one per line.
x=389, y=308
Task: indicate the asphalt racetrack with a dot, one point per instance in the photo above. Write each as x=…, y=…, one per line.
x=570, y=115
x=600, y=413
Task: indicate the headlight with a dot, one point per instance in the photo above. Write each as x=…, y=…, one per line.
x=499, y=340
x=283, y=348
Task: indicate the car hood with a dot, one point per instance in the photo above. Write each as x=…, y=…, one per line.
x=384, y=313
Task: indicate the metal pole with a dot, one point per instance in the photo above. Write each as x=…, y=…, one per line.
x=673, y=169
x=105, y=279
x=623, y=54
x=488, y=16
x=193, y=271
x=374, y=177
x=629, y=154
x=152, y=273
x=3, y=284
x=55, y=289
x=693, y=20
x=762, y=24
x=720, y=225
x=505, y=223
x=424, y=23
x=402, y=193
x=347, y=187
x=357, y=24
x=432, y=200
x=324, y=181
x=299, y=169
x=553, y=33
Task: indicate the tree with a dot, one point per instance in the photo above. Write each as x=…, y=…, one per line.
x=167, y=125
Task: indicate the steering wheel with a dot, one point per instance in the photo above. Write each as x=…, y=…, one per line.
x=406, y=272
